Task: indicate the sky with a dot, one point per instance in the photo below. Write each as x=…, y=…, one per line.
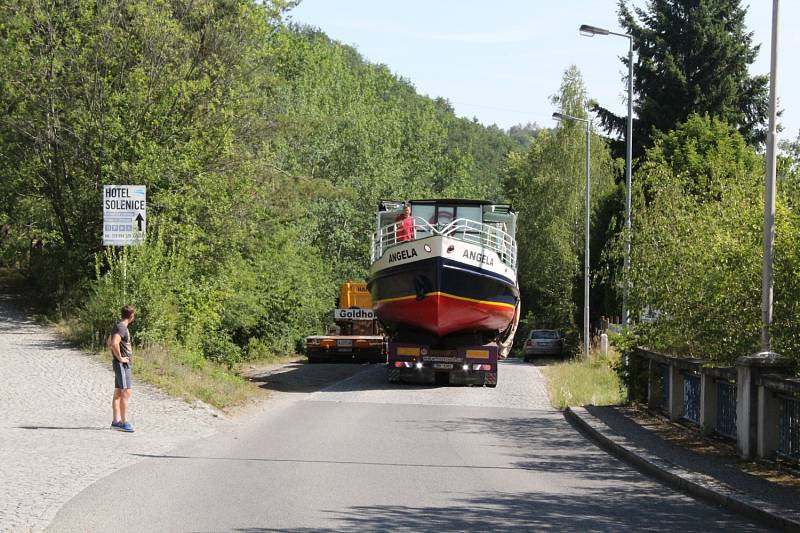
x=500, y=60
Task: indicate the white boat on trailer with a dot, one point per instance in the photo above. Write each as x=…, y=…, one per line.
x=445, y=288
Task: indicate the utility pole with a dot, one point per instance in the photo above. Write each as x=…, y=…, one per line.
x=769, y=192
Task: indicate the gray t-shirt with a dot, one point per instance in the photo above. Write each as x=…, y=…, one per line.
x=125, y=342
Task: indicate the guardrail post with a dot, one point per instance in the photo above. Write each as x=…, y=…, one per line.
x=768, y=421
x=748, y=369
x=745, y=412
x=675, y=407
x=708, y=403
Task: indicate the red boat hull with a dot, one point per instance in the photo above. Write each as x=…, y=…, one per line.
x=442, y=314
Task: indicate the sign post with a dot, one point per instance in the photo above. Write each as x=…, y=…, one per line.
x=124, y=220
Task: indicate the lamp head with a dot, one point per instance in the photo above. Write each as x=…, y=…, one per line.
x=590, y=31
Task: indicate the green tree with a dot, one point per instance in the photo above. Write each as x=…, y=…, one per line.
x=788, y=171
x=136, y=92
x=367, y=134
x=523, y=135
x=264, y=149
x=696, y=250
x=546, y=184
x=692, y=57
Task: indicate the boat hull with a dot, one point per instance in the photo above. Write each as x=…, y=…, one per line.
x=434, y=290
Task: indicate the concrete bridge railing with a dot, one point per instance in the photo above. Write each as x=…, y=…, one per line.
x=756, y=402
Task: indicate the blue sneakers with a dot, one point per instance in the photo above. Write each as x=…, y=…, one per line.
x=122, y=426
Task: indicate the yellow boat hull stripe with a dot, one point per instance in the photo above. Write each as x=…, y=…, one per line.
x=485, y=302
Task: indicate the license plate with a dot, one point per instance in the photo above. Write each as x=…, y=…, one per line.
x=343, y=350
x=430, y=359
x=344, y=342
x=442, y=366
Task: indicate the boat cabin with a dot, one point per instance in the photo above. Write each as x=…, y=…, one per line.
x=474, y=221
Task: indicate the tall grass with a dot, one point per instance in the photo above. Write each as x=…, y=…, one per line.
x=590, y=381
x=193, y=378
x=176, y=371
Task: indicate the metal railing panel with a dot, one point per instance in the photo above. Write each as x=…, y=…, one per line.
x=691, y=398
x=469, y=231
x=789, y=428
x=726, y=409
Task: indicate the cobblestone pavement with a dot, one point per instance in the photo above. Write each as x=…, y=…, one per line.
x=55, y=411
x=519, y=386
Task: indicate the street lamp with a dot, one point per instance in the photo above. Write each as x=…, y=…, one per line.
x=769, y=192
x=562, y=116
x=591, y=31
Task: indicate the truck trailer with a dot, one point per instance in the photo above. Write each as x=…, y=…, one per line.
x=355, y=335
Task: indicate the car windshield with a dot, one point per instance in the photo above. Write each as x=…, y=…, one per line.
x=544, y=334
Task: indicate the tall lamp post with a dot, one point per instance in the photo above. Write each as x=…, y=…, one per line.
x=769, y=192
x=562, y=116
x=591, y=31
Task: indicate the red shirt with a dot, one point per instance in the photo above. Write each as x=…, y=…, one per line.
x=405, y=228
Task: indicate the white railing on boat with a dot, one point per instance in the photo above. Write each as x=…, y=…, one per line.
x=487, y=236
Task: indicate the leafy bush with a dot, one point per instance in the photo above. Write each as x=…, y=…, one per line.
x=631, y=377
x=697, y=247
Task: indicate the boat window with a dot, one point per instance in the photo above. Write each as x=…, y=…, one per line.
x=470, y=212
x=424, y=212
x=465, y=230
x=388, y=217
x=445, y=214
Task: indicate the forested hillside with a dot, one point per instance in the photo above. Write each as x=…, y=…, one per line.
x=264, y=149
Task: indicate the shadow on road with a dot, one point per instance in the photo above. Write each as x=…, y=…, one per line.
x=12, y=318
x=544, y=443
x=303, y=377
x=103, y=428
x=604, y=494
x=14, y=321
x=602, y=509
x=334, y=462
x=542, y=360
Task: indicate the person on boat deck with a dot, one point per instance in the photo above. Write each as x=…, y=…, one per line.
x=405, y=225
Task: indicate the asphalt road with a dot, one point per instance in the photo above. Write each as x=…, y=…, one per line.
x=363, y=455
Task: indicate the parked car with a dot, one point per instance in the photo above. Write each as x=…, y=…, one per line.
x=543, y=342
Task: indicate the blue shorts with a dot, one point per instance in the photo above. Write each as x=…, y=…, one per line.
x=122, y=375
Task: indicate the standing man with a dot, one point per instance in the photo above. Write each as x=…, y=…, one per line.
x=120, y=345
x=404, y=230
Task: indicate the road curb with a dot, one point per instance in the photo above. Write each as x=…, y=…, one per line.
x=695, y=484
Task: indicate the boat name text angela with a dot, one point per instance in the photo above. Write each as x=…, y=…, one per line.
x=479, y=257
x=402, y=255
